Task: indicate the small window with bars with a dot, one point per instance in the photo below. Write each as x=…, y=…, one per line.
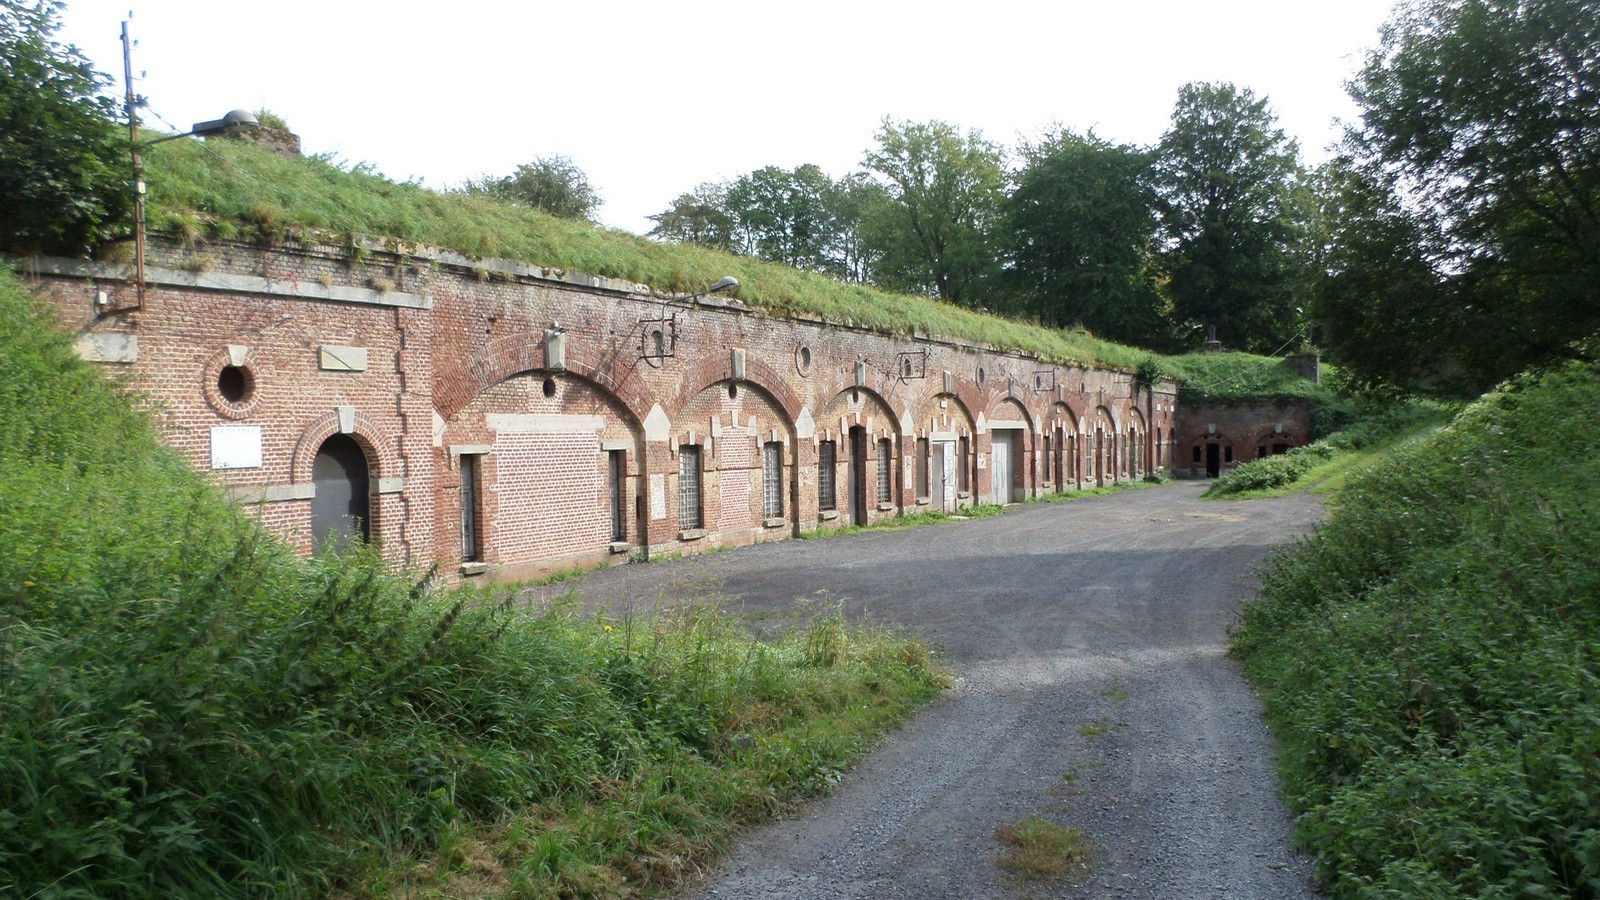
x=772, y=480
x=471, y=502
x=827, y=466
x=885, y=471
x=689, y=516
x=964, y=465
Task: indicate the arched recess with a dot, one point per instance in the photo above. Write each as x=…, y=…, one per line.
x=341, y=507
x=507, y=357
x=742, y=441
x=542, y=468
x=1066, y=462
x=942, y=442
x=859, y=426
x=1273, y=440
x=1100, y=447
x=1134, y=455
x=374, y=476
x=1010, y=458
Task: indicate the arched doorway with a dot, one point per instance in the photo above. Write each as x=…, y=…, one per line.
x=340, y=507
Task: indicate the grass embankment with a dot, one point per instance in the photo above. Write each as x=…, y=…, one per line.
x=186, y=709
x=1240, y=377
x=1429, y=659
x=230, y=189
x=1325, y=464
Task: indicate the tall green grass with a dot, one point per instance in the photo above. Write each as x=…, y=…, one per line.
x=187, y=710
x=1429, y=658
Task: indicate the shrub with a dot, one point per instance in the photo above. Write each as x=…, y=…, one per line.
x=1428, y=658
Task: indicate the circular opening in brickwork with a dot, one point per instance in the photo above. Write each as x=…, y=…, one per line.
x=234, y=384
x=733, y=391
x=980, y=375
x=549, y=387
x=802, y=359
x=855, y=396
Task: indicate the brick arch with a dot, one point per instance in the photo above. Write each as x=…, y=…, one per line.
x=999, y=400
x=877, y=398
x=381, y=457
x=965, y=393
x=510, y=356
x=708, y=370
x=1063, y=410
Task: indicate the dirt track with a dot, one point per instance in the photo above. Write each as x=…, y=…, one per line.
x=1108, y=611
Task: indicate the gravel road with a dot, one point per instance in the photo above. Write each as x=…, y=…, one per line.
x=1107, y=612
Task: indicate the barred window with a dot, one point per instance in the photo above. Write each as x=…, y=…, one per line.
x=924, y=490
x=964, y=466
x=827, y=464
x=772, y=479
x=689, y=487
x=885, y=472
x=471, y=501
x=615, y=473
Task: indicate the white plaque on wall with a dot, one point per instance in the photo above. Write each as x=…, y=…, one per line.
x=236, y=447
x=658, y=496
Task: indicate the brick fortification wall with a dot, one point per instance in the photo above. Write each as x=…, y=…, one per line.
x=1212, y=438
x=515, y=420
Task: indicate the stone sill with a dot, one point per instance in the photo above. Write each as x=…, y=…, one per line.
x=474, y=568
x=963, y=495
x=620, y=546
x=774, y=522
x=691, y=534
x=828, y=515
x=885, y=507
x=923, y=501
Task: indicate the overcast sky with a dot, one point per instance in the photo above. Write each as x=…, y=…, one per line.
x=652, y=98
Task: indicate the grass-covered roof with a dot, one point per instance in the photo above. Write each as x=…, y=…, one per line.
x=235, y=190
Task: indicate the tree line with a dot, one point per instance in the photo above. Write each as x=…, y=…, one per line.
x=1453, y=240
x=1145, y=245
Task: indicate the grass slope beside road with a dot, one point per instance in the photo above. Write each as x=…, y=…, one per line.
x=1429, y=658
x=188, y=710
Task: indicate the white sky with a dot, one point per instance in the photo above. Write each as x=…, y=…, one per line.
x=652, y=98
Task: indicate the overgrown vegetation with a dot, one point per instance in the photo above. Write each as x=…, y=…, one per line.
x=186, y=709
x=229, y=189
x=1428, y=659
x=1039, y=849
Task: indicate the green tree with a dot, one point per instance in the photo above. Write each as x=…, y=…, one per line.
x=554, y=184
x=1082, y=225
x=1224, y=174
x=1481, y=118
x=1381, y=298
x=700, y=216
x=785, y=216
x=936, y=226
x=64, y=170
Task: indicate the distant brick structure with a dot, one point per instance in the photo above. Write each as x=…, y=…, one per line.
x=496, y=419
x=1212, y=438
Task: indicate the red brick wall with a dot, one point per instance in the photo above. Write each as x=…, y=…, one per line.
x=452, y=343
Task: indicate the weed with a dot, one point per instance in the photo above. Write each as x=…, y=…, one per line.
x=1038, y=849
x=1095, y=729
x=1115, y=693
